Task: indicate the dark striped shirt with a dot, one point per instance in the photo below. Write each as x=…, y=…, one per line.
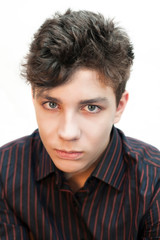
x=119, y=201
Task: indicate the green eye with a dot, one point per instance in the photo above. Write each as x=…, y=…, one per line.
x=52, y=105
x=92, y=108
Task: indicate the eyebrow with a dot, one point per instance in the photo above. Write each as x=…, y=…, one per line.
x=82, y=102
x=49, y=98
x=94, y=100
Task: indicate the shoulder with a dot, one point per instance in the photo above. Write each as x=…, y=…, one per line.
x=20, y=141
x=141, y=151
x=143, y=179
x=17, y=149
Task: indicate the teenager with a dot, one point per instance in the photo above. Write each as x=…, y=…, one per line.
x=78, y=176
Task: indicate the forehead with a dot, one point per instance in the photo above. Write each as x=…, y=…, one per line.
x=83, y=82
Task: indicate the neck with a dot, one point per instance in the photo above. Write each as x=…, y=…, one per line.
x=77, y=180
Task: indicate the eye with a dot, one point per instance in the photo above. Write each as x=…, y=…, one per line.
x=92, y=108
x=50, y=105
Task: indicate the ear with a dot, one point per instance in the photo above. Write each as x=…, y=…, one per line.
x=121, y=106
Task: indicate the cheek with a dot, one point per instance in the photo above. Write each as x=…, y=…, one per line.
x=100, y=125
x=46, y=125
x=99, y=133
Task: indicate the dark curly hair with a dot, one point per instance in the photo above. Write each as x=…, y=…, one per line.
x=74, y=40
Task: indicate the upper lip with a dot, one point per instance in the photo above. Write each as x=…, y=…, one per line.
x=68, y=151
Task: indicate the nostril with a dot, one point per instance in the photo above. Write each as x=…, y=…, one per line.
x=69, y=133
x=68, y=127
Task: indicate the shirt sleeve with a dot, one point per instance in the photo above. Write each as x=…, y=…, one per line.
x=10, y=225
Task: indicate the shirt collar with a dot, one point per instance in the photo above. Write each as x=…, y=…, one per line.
x=111, y=169
x=44, y=164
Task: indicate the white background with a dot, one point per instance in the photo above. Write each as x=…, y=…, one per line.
x=20, y=19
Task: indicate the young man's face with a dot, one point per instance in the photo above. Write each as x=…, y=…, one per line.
x=75, y=121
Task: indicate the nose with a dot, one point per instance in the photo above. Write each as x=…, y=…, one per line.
x=69, y=128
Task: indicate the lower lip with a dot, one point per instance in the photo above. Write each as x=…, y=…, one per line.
x=68, y=155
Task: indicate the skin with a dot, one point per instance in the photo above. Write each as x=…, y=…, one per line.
x=75, y=121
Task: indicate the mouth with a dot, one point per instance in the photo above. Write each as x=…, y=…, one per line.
x=68, y=155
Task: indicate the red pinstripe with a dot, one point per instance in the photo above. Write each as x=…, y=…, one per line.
x=77, y=224
x=117, y=163
x=111, y=159
x=158, y=211
x=43, y=229
x=69, y=218
x=137, y=199
x=35, y=213
x=61, y=210
x=110, y=220
x=104, y=214
x=155, y=173
x=145, y=192
x=120, y=209
x=151, y=216
x=91, y=206
x=7, y=171
x=97, y=212
x=21, y=183
x=6, y=233
x=115, y=182
x=124, y=225
x=14, y=181
x=28, y=190
x=130, y=203
x=102, y=163
x=54, y=210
